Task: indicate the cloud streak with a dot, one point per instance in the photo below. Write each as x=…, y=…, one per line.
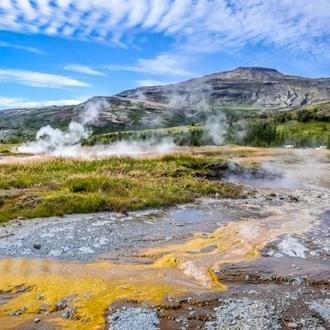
x=20, y=47
x=163, y=65
x=148, y=82
x=15, y=103
x=39, y=79
x=83, y=69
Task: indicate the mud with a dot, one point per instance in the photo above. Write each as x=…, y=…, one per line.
x=261, y=262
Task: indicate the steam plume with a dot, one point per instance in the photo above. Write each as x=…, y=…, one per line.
x=55, y=142
x=215, y=129
x=50, y=140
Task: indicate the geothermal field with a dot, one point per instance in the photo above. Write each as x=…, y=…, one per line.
x=254, y=258
x=164, y=165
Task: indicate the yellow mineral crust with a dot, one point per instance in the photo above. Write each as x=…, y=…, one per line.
x=91, y=288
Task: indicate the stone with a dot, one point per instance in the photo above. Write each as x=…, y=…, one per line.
x=37, y=246
x=69, y=314
x=293, y=325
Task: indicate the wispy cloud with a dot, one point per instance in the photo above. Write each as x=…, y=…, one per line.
x=231, y=25
x=39, y=79
x=162, y=65
x=15, y=103
x=83, y=69
x=20, y=47
x=147, y=82
x=195, y=26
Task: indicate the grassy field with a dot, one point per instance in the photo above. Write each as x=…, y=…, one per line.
x=58, y=186
x=151, y=135
x=313, y=132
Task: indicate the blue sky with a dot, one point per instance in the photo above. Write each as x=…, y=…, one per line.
x=65, y=51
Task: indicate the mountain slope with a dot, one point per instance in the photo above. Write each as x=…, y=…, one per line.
x=254, y=87
x=245, y=88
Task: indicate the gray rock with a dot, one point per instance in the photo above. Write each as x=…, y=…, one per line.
x=69, y=314
x=134, y=319
x=244, y=314
x=322, y=307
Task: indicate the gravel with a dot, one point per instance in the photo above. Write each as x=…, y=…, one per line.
x=134, y=319
x=322, y=307
x=244, y=314
x=83, y=237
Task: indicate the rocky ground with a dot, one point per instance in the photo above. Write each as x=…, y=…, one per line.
x=87, y=237
x=276, y=267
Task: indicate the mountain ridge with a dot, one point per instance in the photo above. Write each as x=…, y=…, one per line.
x=244, y=88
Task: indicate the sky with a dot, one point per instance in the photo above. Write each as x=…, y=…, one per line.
x=56, y=52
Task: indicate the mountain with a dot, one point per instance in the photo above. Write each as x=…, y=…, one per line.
x=251, y=87
x=245, y=88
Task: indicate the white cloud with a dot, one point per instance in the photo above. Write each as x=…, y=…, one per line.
x=155, y=14
x=20, y=47
x=163, y=65
x=197, y=26
x=83, y=69
x=15, y=103
x=39, y=79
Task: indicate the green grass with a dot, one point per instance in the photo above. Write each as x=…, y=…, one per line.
x=312, y=127
x=63, y=186
x=161, y=131
x=315, y=133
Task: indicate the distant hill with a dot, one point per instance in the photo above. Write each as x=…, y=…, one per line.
x=245, y=88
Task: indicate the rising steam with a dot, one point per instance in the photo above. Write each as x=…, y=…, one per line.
x=52, y=140
x=67, y=143
x=56, y=142
x=215, y=129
